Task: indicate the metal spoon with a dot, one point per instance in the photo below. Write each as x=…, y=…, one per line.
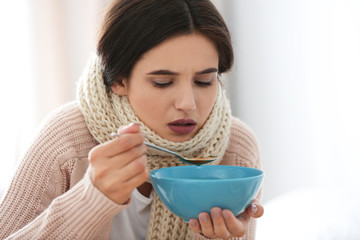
x=193, y=161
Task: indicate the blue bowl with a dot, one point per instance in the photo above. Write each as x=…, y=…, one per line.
x=189, y=190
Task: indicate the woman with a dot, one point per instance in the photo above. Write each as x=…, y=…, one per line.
x=154, y=77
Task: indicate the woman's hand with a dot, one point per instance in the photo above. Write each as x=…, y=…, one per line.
x=223, y=224
x=117, y=167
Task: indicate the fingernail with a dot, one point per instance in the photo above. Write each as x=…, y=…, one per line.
x=226, y=214
x=204, y=218
x=253, y=209
x=192, y=222
x=217, y=213
x=114, y=134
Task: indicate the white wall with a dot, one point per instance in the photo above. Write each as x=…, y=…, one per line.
x=44, y=47
x=16, y=91
x=63, y=35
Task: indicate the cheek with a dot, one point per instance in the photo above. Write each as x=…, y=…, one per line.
x=146, y=106
x=206, y=104
x=140, y=103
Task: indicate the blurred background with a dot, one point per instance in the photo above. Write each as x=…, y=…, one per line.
x=295, y=82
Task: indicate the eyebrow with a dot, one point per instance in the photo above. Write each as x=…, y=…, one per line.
x=168, y=72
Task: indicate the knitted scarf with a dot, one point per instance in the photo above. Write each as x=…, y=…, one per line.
x=105, y=112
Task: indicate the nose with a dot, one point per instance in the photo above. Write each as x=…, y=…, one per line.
x=185, y=99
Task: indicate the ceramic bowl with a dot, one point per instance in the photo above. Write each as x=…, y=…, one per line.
x=190, y=190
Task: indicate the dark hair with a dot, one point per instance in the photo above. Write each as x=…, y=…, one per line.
x=132, y=27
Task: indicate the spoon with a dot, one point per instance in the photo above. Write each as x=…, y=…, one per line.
x=194, y=161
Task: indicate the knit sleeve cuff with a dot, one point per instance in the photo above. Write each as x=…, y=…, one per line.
x=198, y=236
x=88, y=209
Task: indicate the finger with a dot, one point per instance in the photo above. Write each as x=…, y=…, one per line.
x=195, y=226
x=255, y=210
x=244, y=217
x=108, y=170
x=116, y=146
x=220, y=227
x=123, y=143
x=130, y=128
x=206, y=225
x=135, y=167
x=132, y=183
x=119, y=191
x=138, y=178
x=119, y=184
x=123, y=159
x=129, y=136
x=236, y=228
x=101, y=161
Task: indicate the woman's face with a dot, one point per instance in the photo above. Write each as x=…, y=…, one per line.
x=173, y=87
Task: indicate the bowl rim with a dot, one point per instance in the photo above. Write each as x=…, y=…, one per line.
x=259, y=175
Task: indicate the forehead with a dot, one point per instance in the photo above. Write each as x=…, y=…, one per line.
x=192, y=49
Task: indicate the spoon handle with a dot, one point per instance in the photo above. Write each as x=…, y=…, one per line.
x=114, y=134
x=161, y=149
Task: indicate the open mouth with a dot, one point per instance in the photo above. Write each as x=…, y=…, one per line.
x=182, y=126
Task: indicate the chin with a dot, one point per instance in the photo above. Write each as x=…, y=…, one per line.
x=173, y=137
x=179, y=138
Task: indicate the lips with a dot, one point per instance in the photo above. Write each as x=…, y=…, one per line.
x=182, y=126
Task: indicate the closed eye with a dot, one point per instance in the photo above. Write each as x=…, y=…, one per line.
x=203, y=84
x=161, y=84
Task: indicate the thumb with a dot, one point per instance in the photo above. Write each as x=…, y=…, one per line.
x=130, y=128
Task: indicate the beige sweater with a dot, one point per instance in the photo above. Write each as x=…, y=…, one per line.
x=52, y=197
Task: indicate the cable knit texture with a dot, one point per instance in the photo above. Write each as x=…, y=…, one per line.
x=105, y=111
x=52, y=197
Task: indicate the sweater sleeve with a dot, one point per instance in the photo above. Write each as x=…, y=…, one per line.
x=43, y=201
x=243, y=150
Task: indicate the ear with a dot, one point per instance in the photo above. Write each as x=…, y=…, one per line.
x=119, y=88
